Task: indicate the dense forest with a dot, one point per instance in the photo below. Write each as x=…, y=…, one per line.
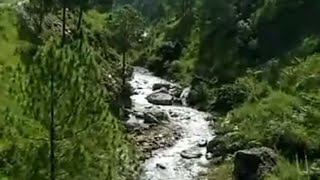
x=65, y=68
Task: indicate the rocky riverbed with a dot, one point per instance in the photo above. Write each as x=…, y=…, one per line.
x=171, y=136
x=177, y=142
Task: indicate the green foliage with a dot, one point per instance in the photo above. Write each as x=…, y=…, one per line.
x=79, y=82
x=9, y=42
x=287, y=171
x=188, y=59
x=286, y=119
x=223, y=171
x=126, y=25
x=90, y=143
x=9, y=38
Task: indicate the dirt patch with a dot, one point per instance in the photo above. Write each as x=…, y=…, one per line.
x=151, y=137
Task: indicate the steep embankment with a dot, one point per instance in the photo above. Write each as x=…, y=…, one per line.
x=255, y=63
x=88, y=135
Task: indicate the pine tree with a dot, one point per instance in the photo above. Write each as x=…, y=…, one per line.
x=126, y=23
x=62, y=90
x=84, y=5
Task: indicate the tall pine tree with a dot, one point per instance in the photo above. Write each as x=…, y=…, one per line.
x=62, y=90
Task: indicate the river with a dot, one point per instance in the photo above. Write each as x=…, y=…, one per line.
x=193, y=126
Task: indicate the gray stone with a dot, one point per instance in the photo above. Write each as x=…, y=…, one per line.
x=173, y=114
x=209, y=156
x=225, y=144
x=160, y=98
x=161, y=86
x=162, y=90
x=254, y=164
x=155, y=115
x=131, y=125
x=190, y=154
x=177, y=101
x=160, y=166
x=202, y=143
x=150, y=119
x=139, y=114
x=203, y=173
x=175, y=91
x=211, y=118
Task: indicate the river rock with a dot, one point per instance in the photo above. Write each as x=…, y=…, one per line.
x=204, y=163
x=217, y=146
x=190, y=154
x=155, y=115
x=202, y=143
x=150, y=119
x=158, y=86
x=211, y=118
x=222, y=145
x=160, y=98
x=184, y=96
x=203, y=173
x=139, y=114
x=175, y=91
x=160, y=166
x=130, y=126
x=173, y=114
x=254, y=164
x=162, y=90
x=177, y=101
x=209, y=156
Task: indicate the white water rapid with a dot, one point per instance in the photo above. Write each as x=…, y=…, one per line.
x=192, y=125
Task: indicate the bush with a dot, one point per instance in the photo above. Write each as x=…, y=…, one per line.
x=286, y=119
x=228, y=97
x=286, y=171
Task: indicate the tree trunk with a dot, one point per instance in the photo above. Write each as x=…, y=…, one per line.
x=183, y=7
x=64, y=22
x=42, y=9
x=80, y=17
x=52, y=133
x=123, y=70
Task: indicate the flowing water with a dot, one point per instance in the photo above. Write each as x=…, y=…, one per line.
x=192, y=125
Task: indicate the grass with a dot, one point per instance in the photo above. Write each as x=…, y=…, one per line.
x=286, y=118
x=9, y=41
x=9, y=38
x=221, y=172
x=286, y=171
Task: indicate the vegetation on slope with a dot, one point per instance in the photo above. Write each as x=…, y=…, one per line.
x=253, y=62
x=60, y=96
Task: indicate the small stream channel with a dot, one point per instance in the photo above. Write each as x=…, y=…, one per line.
x=192, y=125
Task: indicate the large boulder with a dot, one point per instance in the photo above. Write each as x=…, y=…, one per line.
x=217, y=146
x=229, y=143
x=172, y=89
x=155, y=115
x=160, y=98
x=254, y=164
